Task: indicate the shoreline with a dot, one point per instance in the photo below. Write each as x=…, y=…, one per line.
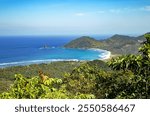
x=105, y=55
x=31, y=62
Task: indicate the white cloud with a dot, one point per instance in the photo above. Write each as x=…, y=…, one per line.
x=146, y=8
x=80, y=14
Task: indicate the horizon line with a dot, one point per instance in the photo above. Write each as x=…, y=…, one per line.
x=128, y=34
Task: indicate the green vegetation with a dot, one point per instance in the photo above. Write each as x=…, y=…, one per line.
x=35, y=88
x=120, y=44
x=5, y=84
x=117, y=44
x=54, y=69
x=124, y=77
x=83, y=42
x=139, y=65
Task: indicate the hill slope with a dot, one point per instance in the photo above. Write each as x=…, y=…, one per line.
x=83, y=42
x=120, y=44
x=117, y=44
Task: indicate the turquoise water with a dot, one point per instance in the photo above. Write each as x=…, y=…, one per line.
x=30, y=50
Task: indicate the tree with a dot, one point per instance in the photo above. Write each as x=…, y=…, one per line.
x=35, y=88
x=139, y=65
x=81, y=80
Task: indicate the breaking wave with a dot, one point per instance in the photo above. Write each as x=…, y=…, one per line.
x=104, y=54
x=34, y=62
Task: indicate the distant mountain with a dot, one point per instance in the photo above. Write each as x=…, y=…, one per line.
x=120, y=44
x=117, y=44
x=83, y=42
x=148, y=33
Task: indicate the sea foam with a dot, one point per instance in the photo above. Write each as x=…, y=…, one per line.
x=33, y=62
x=104, y=54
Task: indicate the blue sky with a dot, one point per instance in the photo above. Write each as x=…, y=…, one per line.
x=74, y=17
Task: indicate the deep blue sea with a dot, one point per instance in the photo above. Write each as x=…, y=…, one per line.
x=24, y=50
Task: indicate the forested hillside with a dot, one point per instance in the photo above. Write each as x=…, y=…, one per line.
x=84, y=42
x=117, y=44
x=127, y=77
x=53, y=69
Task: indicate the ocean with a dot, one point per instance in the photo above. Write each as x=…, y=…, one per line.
x=25, y=50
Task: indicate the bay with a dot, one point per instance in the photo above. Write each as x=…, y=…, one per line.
x=24, y=50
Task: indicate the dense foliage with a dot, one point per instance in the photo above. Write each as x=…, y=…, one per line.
x=139, y=65
x=127, y=77
x=81, y=80
x=53, y=69
x=35, y=88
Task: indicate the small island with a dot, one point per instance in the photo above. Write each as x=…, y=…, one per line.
x=45, y=46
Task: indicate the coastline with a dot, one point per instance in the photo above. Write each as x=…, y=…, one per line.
x=104, y=55
x=24, y=63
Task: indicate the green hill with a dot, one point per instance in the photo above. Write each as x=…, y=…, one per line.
x=117, y=44
x=83, y=42
x=120, y=44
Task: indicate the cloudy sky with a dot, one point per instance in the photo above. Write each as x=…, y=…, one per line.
x=73, y=17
